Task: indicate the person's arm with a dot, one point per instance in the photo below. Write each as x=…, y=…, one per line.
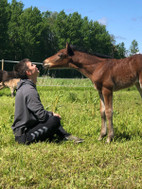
x=35, y=106
x=55, y=114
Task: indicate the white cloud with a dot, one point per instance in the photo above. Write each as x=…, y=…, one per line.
x=103, y=21
x=120, y=37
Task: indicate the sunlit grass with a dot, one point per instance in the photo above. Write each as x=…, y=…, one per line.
x=89, y=165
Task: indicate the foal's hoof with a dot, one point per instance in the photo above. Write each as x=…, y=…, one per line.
x=101, y=137
x=109, y=140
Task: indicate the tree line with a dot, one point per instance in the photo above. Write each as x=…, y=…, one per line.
x=38, y=35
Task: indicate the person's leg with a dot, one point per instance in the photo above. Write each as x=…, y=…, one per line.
x=43, y=131
x=61, y=133
x=46, y=130
x=40, y=132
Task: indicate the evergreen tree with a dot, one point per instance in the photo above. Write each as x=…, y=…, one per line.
x=120, y=51
x=134, y=47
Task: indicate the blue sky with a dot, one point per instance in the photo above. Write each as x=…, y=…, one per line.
x=123, y=18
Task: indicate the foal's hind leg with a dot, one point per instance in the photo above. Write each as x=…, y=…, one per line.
x=103, y=118
x=139, y=88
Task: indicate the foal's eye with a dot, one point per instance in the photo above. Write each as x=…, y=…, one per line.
x=61, y=55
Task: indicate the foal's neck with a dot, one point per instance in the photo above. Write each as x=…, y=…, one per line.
x=85, y=63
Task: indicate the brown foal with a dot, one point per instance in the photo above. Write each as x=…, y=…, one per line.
x=106, y=74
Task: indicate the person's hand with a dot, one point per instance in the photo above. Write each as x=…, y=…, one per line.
x=55, y=114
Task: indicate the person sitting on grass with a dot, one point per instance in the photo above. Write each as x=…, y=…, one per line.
x=32, y=123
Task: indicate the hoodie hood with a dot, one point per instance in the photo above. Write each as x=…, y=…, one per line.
x=25, y=82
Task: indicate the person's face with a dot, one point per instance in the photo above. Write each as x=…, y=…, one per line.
x=32, y=70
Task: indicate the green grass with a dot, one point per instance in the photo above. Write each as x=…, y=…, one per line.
x=65, y=165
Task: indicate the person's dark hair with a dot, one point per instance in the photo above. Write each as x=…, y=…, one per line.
x=21, y=68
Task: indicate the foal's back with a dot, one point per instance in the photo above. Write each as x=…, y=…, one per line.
x=118, y=74
x=126, y=71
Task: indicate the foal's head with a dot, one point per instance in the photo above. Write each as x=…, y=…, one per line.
x=60, y=59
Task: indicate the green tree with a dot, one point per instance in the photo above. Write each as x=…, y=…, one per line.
x=4, y=18
x=66, y=28
x=100, y=39
x=30, y=29
x=134, y=47
x=49, y=44
x=16, y=9
x=85, y=34
x=61, y=29
x=80, y=32
x=120, y=51
x=30, y=33
x=74, y=32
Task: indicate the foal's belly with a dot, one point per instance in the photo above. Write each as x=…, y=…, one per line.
x=124, y=84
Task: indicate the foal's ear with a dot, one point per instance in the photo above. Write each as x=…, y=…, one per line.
x=69, y=50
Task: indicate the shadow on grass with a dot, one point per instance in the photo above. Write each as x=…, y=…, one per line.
x=5, y=94
x=122, y=135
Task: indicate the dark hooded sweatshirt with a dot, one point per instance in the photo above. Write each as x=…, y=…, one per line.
x=28, y=108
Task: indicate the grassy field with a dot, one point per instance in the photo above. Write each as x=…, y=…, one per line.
x=65, y=165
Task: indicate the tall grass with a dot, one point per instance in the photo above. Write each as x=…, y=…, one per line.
x=65, y=165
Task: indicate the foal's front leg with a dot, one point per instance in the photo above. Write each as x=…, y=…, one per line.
x=107, y=94
x=103, y=118
x=12, y=91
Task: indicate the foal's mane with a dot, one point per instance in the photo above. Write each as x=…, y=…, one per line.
x=75, y=48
